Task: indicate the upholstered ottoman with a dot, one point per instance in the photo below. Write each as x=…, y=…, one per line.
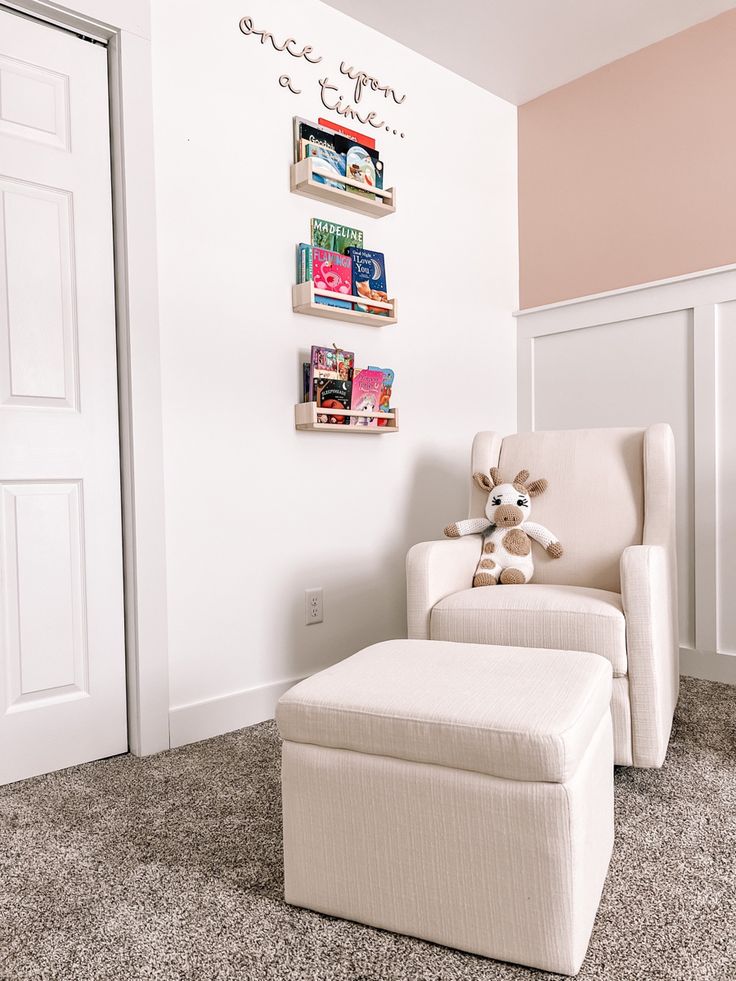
x=455, y=792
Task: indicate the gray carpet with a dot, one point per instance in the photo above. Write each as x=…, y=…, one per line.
x=170, y=868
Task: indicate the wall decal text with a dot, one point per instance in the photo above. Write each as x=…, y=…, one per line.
x=330, y=94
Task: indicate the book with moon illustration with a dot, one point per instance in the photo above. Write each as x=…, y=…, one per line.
x=366, y=396
x=369, y=279
x=334, y=237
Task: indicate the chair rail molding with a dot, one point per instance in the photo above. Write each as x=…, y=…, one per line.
x=657, y=352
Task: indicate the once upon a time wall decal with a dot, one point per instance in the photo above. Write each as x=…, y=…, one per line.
x=330, y=94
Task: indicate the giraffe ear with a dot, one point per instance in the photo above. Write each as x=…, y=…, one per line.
x=485, y=483
x=495, y=476
x=521, y=477
x=537, y=487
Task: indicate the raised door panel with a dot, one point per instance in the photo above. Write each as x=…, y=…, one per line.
x=37, y=321
x=43, y=592
x=34, y=103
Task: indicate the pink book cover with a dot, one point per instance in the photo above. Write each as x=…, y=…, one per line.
x=332, y=271
x=367, y=387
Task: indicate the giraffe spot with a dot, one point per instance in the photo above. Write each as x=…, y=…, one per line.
x=517, y=542
x=489, y=547
x=512, y=577
x=487, y=564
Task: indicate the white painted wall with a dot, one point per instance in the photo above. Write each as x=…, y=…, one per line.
x=657, y=353
x=256, y=512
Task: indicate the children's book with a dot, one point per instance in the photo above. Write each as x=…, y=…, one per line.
x=333, y=237
x=350, y=133
x=369, y=279
x=361, y=166
x=329, y=362
x=306, y=374
x=303, y=263
x=388, y=383
x=331, y=271
x=328, y=163
x=333, y=394
x=366, y=396
x=328, y=270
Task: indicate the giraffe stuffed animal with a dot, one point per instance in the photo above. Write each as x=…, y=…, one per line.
x=506, y=555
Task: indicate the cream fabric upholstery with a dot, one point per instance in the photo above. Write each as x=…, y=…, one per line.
x=595, y=501
x=515, y=713
x=510, y=868
x=566, y=618
x=612, y=494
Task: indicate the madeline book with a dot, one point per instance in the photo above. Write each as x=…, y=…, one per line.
x=333, y=394
x=333, y=237
x=367, y=386
x=369, y=279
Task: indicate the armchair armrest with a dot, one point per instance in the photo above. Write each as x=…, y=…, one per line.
x=650, y=607
x=433, y=571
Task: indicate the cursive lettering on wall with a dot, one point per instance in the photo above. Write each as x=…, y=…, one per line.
x=330, y=94
x=246, y=26
x=337, y=105
x=362, y=79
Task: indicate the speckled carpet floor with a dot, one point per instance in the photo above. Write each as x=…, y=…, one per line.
x=170, y=868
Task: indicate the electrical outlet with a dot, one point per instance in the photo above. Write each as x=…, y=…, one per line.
x=313, y=611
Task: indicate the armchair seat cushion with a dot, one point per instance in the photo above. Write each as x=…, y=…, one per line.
x=572, y=618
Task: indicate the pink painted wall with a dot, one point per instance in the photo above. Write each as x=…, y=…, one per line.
x=628, y=174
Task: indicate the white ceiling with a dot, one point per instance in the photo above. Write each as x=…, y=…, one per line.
x=519, y=49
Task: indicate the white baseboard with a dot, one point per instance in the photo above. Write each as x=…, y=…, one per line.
x=709, y=667
x=214, y=716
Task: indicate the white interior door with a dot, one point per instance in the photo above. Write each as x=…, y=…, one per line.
x=62, y=657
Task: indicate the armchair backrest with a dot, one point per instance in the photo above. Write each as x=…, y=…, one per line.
x=598, y=497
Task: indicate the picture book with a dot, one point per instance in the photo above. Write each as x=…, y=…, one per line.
x=364, y=163
x=366, y=397
x=388, y=382
x=334, y=273
x=369, y=279
x=333, y=237
x=303, y=263
x=329, y=362
x=306, y=373
x=328, y=163
x=331, y=271
x=360, y=166
x=333, y=394
x=350, y=133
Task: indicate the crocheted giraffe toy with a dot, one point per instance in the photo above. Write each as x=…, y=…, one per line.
x=506, y=555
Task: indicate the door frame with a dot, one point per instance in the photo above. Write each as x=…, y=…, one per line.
x=124, y=26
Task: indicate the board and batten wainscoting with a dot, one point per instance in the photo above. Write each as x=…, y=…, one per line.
x=659, y=352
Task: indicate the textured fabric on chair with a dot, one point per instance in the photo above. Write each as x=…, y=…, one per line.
x=611, y=501
x=595, y=501
x=522, y=714
x=566, y=618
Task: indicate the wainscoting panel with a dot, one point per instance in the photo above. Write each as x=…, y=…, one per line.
x=661, y=352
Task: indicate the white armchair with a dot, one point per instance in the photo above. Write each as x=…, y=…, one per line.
x=611, y=501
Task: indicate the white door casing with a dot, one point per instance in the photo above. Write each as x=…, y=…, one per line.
x=62, y=655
